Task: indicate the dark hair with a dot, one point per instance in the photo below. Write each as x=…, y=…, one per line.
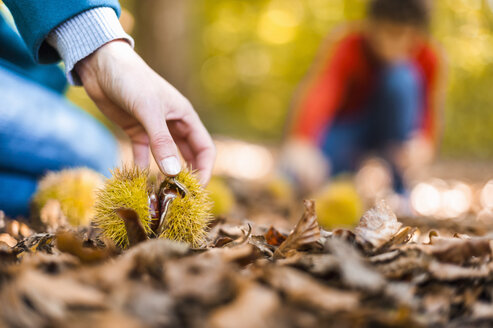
x=412, y=12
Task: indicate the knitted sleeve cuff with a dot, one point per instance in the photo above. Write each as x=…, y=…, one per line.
x=83, y=34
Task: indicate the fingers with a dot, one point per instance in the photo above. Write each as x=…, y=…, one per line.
x=141, y=154
x=162, y=145
x=196, y=145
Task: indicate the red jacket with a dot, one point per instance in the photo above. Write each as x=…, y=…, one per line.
x=345, y=81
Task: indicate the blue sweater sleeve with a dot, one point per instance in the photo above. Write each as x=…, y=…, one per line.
x=35, y=19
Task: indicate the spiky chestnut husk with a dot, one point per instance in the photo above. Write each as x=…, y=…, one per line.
x=74, y=189
x=187, y=218
x=222, y=198
x=338, y=205
x=128, y=189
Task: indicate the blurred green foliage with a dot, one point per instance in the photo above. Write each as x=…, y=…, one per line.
x=250, y=55
x=464, y=28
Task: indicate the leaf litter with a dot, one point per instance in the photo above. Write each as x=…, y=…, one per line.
x=383, y=273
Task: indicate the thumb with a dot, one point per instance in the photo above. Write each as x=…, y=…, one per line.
x=163, y=148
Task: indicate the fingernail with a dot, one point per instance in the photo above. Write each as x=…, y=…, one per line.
x=171, y=165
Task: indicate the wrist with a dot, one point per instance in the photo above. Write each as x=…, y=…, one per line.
x=107, y=53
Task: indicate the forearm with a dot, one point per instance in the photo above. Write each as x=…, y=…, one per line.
x=83, y=34
x=36, y=19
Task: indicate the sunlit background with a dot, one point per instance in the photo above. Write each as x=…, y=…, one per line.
x=241, y=61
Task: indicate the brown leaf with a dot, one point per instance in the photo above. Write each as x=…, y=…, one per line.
x=260, y=243
x=245, y=236
x=401, y=238
x=459, y=251
x=303, y=289
x=432, y=234
x=316, y=264
x=37, y=242
x=70, y=243
x=8, y=239
x=482, y=310
x=135, y=230
x=17, y=229
x=221, y=241
x=51, y=215
x=344, y=234
x=205, y=278
x=305, y=232
x=253, y=299
x=452, y=272
x=34, y=299
x=354, y=271
x=274, y=237
x=378, y=225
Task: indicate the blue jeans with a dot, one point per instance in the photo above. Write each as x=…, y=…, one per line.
x=389, y=120
x=39, y=132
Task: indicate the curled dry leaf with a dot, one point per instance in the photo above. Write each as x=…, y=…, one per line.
x=452, y=272
x=400, y=238
x=354, y=271
x=204, y=278
x=458, y=251
x=135, y=230
x=70, y=243
x=221, y=241
x=316, y=264
x=432, y=234
x=8, y=239
x=274, y=237
x=260, y=243
x=17, y=229
x=378, y=225
x=253, y=307
x=33, y=298
x=245, y=237
x=305, y=232
x=303, y=289
x=37, y=242
x=51, y=215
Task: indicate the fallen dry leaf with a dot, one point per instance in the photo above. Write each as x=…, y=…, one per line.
x=254, y=306
x=451, y=272
x=274, y=237
x=305, y=232
x=303, y=289
x=33, y=297
x=458, y=251
x=70, y=243
x=51, y=216
x=135, y=230
x=354, y=271
x=378, y=225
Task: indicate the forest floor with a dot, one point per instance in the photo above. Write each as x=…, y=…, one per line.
x=386, y=272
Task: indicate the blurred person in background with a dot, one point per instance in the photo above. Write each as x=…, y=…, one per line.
x=41, y=131
x=375, y=89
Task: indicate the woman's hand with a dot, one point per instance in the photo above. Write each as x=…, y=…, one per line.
x=150, y=110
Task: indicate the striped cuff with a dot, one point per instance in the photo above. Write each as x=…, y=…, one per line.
x=83, y=34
